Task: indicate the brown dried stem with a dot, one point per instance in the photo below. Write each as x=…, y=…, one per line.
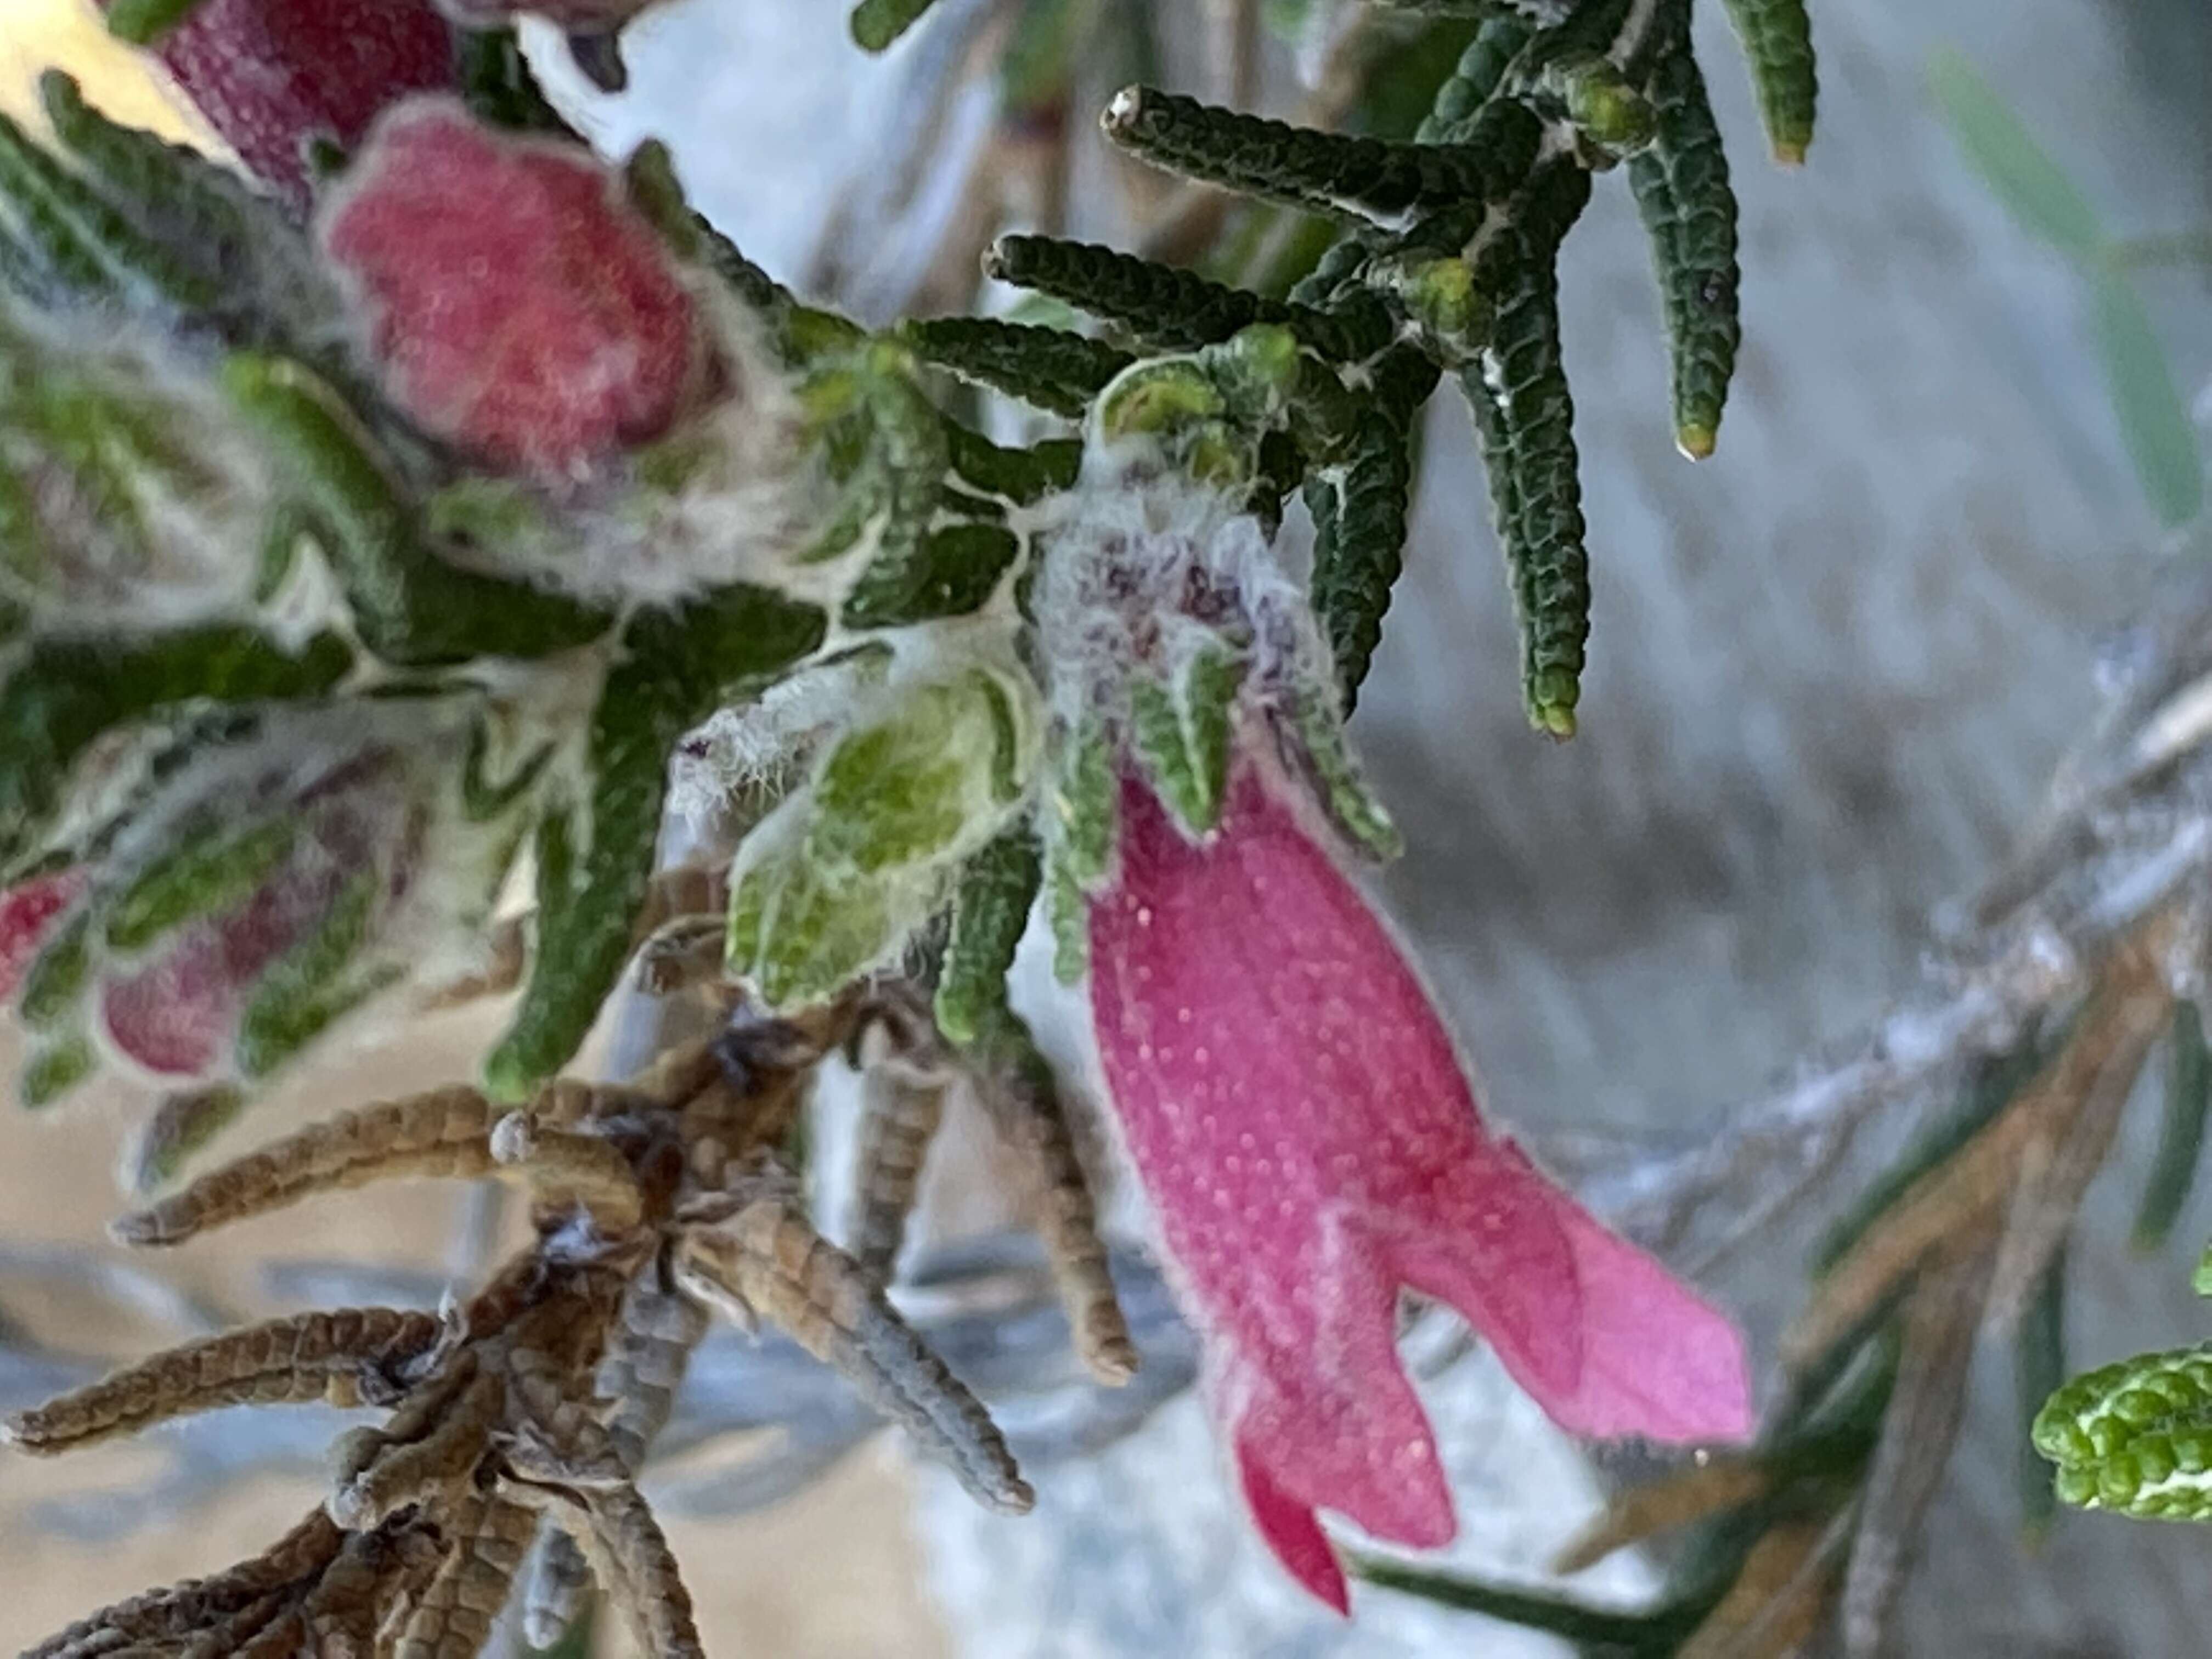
x=351, y=1356
x=488, y=1534
x=1942, y=1317
x=1964, y=1192
x=901, y=1113
x=442, y=1132
x=768, y=1256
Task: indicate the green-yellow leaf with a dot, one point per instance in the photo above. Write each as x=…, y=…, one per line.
x=2032, y=186
x=2153, y=423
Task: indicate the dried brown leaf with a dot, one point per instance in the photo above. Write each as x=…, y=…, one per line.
x=768, y=1256
x=351, y=1356
x=1960, y=1196
x=900, y=1113
x=1019, y=1088
x=1942, y=1317
x=564, y=1166
x=443, y=1133
x=1775, y=1604
x=171, y=1616
x=420, y=1454
x=487, y=1535
x=1676, y=1498
x=2053, y=1186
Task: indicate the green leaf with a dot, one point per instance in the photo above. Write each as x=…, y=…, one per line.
x=1369, y=180
x=1689, y=211
x=303, y=992
x=2038, y=1368
x=2135, y=1437
x=1083, y=803
x=1168, y=309
x=142, y=23
x=952, y=571
x=877, y=23
x=1602, y=1629
x=206, y=872
x=1524, y=417
x=2181, y=1137
x=1360, y=520
x=2034, y=188
x=66, y=693
x=998, y=888
x=2153, y=422
x=1180, y=731
x=937, y=776
x=412, y=607
x=1056, y=369
x=800, y=932
x=52, y=1072
x=680, y=666
x=1777, y=39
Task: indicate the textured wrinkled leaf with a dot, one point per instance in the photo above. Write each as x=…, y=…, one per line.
x=412, y=607
x=998, y=888
x=801, y=934
x=66, y=693
x=1689, y=211
x=1360, y=178
x=1180, y=734
x=1170, y=308
x=1777, y=41
x=1054, y=368
x=1524, y=416
x=936, y=776
x=681, y=665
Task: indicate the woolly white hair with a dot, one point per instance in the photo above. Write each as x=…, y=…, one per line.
x=439, y=868
x=186, y=548
x=1144, y=567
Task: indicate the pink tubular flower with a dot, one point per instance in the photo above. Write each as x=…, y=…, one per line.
x=1310, y=1142
x=517, y=304
x=270, y=75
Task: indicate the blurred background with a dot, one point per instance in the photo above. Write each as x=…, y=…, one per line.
x=1834, y=668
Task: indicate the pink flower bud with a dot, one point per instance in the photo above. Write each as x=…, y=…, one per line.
x=517, y=305
x=27, y=913
x=270, y=75
x=1310, y=1142
x=267, y=889
x=173, y=1009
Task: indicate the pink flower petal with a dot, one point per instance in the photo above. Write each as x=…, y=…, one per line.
x=270, y=75
x=1308, y=1137
x=519, y=305
x=27, y=912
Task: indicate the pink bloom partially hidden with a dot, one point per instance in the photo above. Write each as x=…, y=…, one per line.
x=517, y=305
x=270, y=75
x=1308, y=1139
x=27, y=913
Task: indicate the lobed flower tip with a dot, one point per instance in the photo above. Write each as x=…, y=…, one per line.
x=1308, y=1137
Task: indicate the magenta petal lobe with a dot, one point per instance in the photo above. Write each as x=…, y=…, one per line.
x=1308, y=1136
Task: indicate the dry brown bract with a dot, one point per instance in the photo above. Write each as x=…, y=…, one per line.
x=528, y=1409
